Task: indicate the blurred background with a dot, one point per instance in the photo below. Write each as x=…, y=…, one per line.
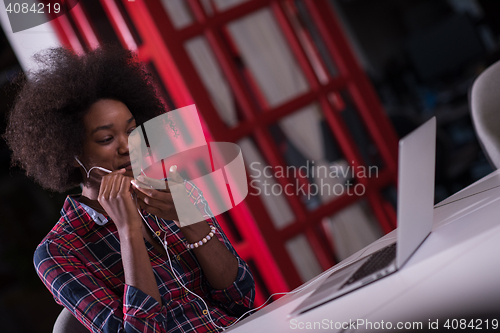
x=295, y=83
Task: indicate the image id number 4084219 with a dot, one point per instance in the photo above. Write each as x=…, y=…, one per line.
x=37, y=8
x=471, y=324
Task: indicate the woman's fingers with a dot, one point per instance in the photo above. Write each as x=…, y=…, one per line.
x=142, y=190
x=104, y=189
x=162, y=207
x=151, y=183
x=116, y=199
x=125, y=187
x=156, y=201
x=174, y=175
x=113, y=185
x=155, y=198
x=149, y=208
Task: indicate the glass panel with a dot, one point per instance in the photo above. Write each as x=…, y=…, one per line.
x=77, y=32
x=214, y=80
x=226, y=4
x=351, y=229
x=311, y=40
x=263, y=184
x=178, y=12
x=100, y=22
x=303, y=257
x=358, y=130
x=130, y=25
x=207, y=7
x=310, y=150
x=265, y=52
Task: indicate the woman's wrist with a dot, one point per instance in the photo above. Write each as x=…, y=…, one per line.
x=196, y=231
x=130, y=230
x=204, y=240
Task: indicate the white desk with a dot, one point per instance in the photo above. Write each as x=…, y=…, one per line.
x=454, y=274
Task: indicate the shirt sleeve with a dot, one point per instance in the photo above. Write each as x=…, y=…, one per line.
x=239, y=297
x=96, y=306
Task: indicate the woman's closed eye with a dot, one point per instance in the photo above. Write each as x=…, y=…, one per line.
x=105, y=140
x=108, y=139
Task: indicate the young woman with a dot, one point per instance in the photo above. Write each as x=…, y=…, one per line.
x=105, y=259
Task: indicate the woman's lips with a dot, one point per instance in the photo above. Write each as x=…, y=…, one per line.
x=126, y=166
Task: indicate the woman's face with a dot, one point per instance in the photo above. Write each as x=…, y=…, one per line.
x=108, y=123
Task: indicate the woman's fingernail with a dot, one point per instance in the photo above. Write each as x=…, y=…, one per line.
x=134, y=183
x=140, y=178
x=173, y=168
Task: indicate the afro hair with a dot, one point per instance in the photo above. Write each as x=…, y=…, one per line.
x=45, y=126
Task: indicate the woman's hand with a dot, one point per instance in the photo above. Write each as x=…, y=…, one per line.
x=115, y=196
x=161, y=202
x=156, y=202
x=116, y=199
x=219, y=265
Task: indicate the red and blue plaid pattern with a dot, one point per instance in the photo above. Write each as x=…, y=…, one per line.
x=80, y=263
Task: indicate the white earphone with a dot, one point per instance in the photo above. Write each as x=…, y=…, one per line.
x=95, y=167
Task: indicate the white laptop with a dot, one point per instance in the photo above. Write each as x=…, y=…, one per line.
x=417, y=156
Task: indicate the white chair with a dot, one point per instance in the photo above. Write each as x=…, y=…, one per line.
x=485, y=111
x=67, y=323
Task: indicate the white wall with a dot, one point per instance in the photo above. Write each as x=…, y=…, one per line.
x=27, y=42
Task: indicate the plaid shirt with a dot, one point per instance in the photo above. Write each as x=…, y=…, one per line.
x=80, y=263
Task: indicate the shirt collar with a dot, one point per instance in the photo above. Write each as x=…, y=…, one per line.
x=98, y=218
x=77, y=216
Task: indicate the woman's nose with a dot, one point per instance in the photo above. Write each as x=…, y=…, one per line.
x=123, y=146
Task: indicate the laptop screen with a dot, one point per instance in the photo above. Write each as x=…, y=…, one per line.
x=417, y=156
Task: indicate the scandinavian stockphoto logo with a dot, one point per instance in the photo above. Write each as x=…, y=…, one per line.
x=29, y=13
x=176, y=138
x=328, y=181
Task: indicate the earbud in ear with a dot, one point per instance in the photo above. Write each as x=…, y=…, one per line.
x=94, y=167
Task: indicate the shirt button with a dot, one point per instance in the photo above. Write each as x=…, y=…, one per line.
x=205, y=312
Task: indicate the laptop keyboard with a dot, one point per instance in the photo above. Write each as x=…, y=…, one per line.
x=377, y=261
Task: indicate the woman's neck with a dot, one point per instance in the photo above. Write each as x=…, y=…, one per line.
x=94, y=204
x=89, y=197
x=90, y=192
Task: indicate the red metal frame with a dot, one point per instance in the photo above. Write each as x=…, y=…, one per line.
x=152, y=51
x=163, y=45
x=84, y=27
x=351, y=78
x=119, y=24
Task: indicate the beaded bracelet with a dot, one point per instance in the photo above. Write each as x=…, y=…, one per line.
x=204, y=240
